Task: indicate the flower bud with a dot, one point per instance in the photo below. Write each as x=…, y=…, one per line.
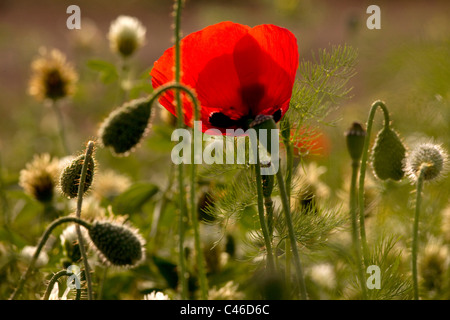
x=388, y=155
x=355, y=140
x=428, y=157
x=117, y=244
x=125, y=127
x=70, y=176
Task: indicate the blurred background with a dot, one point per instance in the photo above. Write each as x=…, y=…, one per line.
x=406, y=62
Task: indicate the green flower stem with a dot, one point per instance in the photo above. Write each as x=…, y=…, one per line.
x=198, y=248
x=183, y=274
x=355, y=234
x=362, y=174
x=289, y=167
x=415, y=243
x=87, y=269
x=287, y=212
x=262, y=219
x=180, y=117
x=52, y=282
x=124, y=78
x=292, y=239
x=194, y=218
x=182, y=194
x=41, y=244
x=268, y=204
x=61, y=127
x=183, y=210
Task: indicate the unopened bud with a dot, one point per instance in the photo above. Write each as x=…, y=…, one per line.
x=355, y=140
x=388, y=155
x=117, y=244
x=70, y=176
x=126, y=126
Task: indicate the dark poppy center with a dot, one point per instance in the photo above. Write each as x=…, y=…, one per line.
x=220, y=120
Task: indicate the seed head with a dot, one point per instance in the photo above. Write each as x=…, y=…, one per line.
x=53, y=77
x=429, y=157
x=117, y=244
x=388, y=155
x=126, y=35
x=39, y=177
x=109, y=184
x=70, y=176
x=126, y=126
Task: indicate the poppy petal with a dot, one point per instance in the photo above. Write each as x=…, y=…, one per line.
x=237, y=72
x=206, y=62
x=274, y=64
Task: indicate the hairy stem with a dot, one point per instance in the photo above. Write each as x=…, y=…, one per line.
x=52, y=282
x=415, y=242
x=262, y=219
x=355, y=233
x=292, y=239
x=362, y=173
x=41, y=244
x=289, y=168
x=183, y=274
x=194, y=216
x=268, y=204
x=61, y=127
x=87, y=269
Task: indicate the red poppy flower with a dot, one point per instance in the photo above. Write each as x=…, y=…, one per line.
x=237, y=72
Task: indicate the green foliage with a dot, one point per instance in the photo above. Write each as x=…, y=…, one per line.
x=319, y=90
x=134, y=198
x=322, y=84
x=107, y=71
x=394, y=282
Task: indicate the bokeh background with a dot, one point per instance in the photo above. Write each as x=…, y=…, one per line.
x=405, y=63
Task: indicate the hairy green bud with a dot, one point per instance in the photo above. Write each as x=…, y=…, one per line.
x=126, y=126
x=70, y=176
x=117, y=244
x=388, y=155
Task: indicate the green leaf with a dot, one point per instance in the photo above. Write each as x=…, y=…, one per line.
x=140, y=87
x=107, y=70
x=168, y=270
x=134, y=198
x=160, y=139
